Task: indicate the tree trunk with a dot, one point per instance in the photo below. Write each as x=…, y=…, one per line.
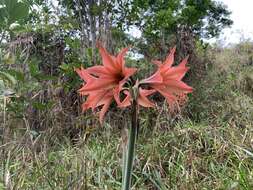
x=92, y=19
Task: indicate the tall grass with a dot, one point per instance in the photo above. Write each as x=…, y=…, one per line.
x=186, y=156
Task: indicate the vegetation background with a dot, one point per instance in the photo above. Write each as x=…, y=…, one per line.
x=48, y=143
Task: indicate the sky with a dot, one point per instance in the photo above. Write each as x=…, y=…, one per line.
x=242, y=15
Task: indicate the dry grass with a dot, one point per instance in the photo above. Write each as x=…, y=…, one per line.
x=186, y=156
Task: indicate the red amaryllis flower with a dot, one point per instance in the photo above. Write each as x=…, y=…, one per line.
x=167, y=80
x=103, y=83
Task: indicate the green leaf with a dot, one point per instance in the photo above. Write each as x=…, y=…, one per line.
x=7, y=77
x=2, y=86
x=19, y=12
x=1, y=186
x=42, y=106
x=13, y=11
x=64, y=66
x=3, y=16
x=9, y=58
x=34, y=67
x=3, y=13
x=19, y=76
x=43, y=77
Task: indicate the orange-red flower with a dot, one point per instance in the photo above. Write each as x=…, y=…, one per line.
x=167, y=80
x=103, y=83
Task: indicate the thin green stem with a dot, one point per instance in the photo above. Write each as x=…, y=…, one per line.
x=3, y=141
x=124, y=162
x=131, y=146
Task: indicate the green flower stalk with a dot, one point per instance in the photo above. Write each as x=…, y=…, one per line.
x=132, y=136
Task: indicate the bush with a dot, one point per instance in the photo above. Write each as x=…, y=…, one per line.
x=225, y=93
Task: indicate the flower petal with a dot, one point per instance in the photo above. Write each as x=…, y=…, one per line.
x=116, y=94
x=94, y=100
x=155, y=78
x=175, y=85
x=143, y=100
x=98, y=84
x=127, y=99
x=98, y=71
x=184, y=62
x=120, y=57
x=156, y=62
x=170, y=59
x=176, y=73
x=84, y=74
x=106, y=103
x=170, y=98
x=108, y=61
x=127, y=72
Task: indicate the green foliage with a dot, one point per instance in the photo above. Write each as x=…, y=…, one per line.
x=6, y=77
x=203, y=17
x=12, y=11
x=225, y=94
x=7, y=83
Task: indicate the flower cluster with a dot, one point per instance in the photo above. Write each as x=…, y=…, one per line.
x=105, y=83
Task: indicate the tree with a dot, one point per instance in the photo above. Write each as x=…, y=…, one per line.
x=95, y=21
x=161, y=21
